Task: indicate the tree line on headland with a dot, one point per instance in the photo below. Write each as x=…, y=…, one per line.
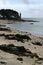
x=9, y=14
x=12, y=15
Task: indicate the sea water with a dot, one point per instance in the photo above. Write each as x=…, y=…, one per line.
x=35, y=28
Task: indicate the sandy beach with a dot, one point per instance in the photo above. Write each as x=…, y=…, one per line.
x=33, y=45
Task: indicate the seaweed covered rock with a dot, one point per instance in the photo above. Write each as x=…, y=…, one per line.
x=18, y=37
x=37, y=43
x=18, y=50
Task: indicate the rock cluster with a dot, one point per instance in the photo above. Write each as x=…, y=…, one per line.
x=4, y=29
x=18, y=37
x=18, y=50
x=37, y=43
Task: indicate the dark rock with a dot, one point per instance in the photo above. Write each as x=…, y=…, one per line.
x=32, y=55
x=18, y=37
x=10, y=45
x=40, y=58
x=31, y=23
x=20, y=59
x=18, y=50
x=4, y=29
x=23, y=36
x=21, y=49
x=2, y=62
x=37, y=43
x=2, y=34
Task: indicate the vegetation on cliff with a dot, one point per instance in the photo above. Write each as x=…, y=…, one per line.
x=9, y=14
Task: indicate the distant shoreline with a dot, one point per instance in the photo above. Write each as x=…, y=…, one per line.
x=10, y=21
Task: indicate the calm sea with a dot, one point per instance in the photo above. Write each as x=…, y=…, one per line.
x=35, y=28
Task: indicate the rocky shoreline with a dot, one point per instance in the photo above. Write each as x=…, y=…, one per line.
x=20, y=48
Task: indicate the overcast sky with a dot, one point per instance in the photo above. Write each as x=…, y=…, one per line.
x=28, y=8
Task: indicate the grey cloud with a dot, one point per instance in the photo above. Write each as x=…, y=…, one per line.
x=26, y=1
